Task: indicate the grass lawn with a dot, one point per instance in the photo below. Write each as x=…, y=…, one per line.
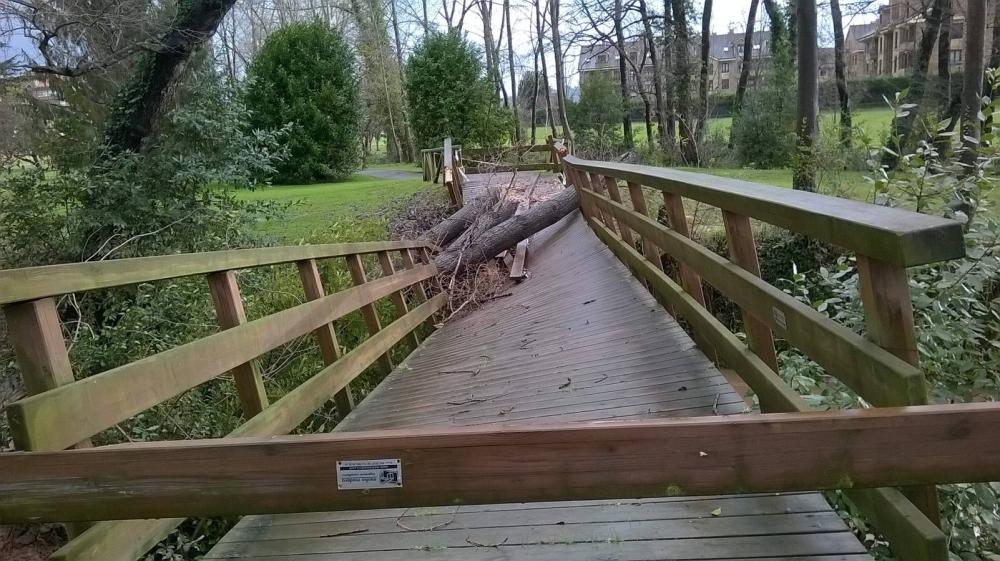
x=845, y=184
x=319, y=205
x=874, y=121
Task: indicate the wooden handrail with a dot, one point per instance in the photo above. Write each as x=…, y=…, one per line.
x=465, y=465
x=31, y=283
x=892, y=235
x=885, y=370
x=60, y=417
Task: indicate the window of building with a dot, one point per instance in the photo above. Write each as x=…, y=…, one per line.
x=602, y=59
x=955, y=56
x=724, y=67
x=956, y=30
x=634, y=56
x=725, y=83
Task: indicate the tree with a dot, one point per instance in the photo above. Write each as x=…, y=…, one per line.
x=741, y=86
x=839, y=69
x=682, y=76
x=706, y=34
x=510, y=65
x=560, y=74
x=807, y=113
x=540, y=52
x=448, y=95
x=658, y=93
x=599, y=106
x=304, y=77
x=623, y=74
x=972, y=87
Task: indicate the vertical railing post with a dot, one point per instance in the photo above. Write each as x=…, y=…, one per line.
x=421, y=292
x=397, y=297
x=885, y=293
x=638, y=198
x=611, y=184
x=743, y=252
x=326, y=336
x=596, y=184
x=368, y=312
x=673, y=204
x=230, y=313
x=36, y=335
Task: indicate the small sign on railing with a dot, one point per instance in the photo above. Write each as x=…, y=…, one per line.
x=369, y=474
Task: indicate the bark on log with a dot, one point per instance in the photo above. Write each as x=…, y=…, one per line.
x=453, y=226
x=491, y=217
x=507, y=234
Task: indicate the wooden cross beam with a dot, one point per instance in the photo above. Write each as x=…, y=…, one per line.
x=687, y=456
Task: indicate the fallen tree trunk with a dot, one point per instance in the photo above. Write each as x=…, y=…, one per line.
x=506, y=234
x=490, y=217
x=453, y=226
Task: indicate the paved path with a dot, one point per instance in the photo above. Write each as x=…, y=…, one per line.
x=391, y=173
x=581, y=340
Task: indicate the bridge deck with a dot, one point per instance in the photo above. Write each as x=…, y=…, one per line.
x=580, y=341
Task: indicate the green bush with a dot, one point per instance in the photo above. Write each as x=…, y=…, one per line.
x=304, y=78
x=448, y=96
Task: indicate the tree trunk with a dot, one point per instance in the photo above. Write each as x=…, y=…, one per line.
x=706, y=34
x=683, y=76
x=513, y=76
x=780, y=40
x=622, y=74
x=507, y=234
x=995, y=40
x=841, y=72
x=972, y=78
x=903, y=126
x=136, y=108
x=534, y=100
x=944, y=57
x=741, y=86
x=486, y=11
x=807, y=111
x=452, y=227
x=407, y=126
x=540, y=30
x=560, y=78
x=654, y=58
x=669, y=85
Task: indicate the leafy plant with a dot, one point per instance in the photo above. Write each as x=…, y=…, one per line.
x=304, y=78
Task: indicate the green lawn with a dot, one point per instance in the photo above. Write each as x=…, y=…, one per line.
x=874, y=120
x=320, y=205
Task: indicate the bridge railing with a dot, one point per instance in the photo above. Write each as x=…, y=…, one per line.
x=883, y=370
x=63, y=412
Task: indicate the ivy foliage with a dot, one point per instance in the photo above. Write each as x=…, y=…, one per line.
x=305, y=78
x=448, y=95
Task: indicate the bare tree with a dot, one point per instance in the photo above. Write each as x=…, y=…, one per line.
x=682, y=79
x=616, y=18
x=841, y=73
x=741, y=86
x=510, y=64
x=650, y=41
x=540, y=31
x=972, y=79
x=807, y=112
x=706, y=35
x=560, y=77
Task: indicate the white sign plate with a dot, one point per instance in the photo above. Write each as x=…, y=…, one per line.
x=369, y=474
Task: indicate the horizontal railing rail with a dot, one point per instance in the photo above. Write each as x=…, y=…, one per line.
x=883, y=368
x=61, y=411
x=888, y=234
x=476, y=465
x=31, y=283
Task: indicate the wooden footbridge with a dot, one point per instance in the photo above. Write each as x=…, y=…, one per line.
x=591, y=415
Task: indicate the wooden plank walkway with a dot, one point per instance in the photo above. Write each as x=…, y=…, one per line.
x=581, y=340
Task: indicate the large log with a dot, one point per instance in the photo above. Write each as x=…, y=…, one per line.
x=453, y=226
x=506, y=234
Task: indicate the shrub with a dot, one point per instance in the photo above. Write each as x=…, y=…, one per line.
x=763, y=132
x=448, y=96
x=304, y=77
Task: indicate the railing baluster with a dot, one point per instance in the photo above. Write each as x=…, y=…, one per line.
x=36, y=335
x=397, y=297
x=673, y=204
x=230, y=313
x=368, y=311
x=638, y=198
x=597, y=185
x=326, y=336
x=611, y=184
x=420, y=292
x=743, y=252
x=885, y=293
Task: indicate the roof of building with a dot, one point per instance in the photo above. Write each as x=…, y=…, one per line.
x=857, y=31
x=724, y=46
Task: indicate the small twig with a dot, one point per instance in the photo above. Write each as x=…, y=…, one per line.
x=434, y=527
x=715, y=406
x=351, y=533
x=470, y=541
